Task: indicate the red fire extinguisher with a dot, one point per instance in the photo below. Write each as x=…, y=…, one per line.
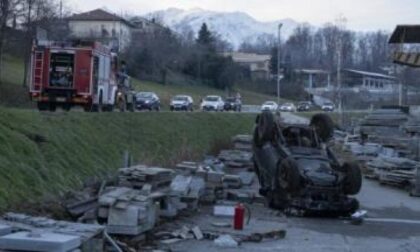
x=239, y=217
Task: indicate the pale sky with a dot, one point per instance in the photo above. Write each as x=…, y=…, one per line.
x=361, y=15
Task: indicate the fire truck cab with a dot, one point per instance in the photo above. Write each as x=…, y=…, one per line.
x=77, y=73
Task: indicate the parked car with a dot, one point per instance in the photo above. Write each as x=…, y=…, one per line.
x=182, y=102
x=270, y=106
x=304, y=106
x=288, y=107
x=147, y=101
x=328, y=107
x=212, y=103
x=233, y=104
x=297, y=170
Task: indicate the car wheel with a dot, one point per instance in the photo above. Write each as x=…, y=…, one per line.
x=288, y=172
x=265, y=127
x=353, y=180
x=324, y=126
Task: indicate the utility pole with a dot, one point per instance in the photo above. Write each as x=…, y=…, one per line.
x=61, y=9
x=278, y=62
x=341, y=21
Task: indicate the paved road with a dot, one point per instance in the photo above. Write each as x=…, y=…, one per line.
x=393, y=224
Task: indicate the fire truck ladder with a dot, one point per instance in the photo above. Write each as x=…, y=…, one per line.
x=39, y=65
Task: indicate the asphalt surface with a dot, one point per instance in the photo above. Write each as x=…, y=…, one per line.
x=392, y=224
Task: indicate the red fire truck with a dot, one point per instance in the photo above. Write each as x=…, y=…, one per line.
x=77, y=73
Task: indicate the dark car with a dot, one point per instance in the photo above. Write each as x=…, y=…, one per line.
x=297, y=170
x=233, y=104
x=147, y=101
x=304, y=106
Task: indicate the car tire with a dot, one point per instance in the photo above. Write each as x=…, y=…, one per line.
x=288, y=171
x=265, y=127
x=353, y=180
x=324, y=126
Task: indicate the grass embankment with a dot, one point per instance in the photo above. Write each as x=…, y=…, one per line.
x=47, y=154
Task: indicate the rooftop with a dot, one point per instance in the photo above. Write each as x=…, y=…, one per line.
x=98, y=15
x=370, y=74
x=406, y=34
x=248, y=57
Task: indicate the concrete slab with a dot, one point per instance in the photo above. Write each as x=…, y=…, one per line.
x=45, y=242
x=5, y=230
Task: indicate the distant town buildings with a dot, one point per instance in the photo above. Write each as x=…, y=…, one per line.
x=257, y=64
x=108, y=28
x=360, y=81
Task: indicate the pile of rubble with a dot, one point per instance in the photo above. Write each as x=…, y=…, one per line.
x=388, y=146
x=138, y=200
x=20, y=232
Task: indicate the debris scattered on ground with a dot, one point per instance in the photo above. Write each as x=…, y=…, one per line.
x=142, y=198
x=226, y=241
x=24, y=233
x=388, y=147
x=358, y=217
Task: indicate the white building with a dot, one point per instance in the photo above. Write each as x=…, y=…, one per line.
x=258, y=64
x=102, y=26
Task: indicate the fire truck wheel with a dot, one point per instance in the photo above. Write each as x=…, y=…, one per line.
x=52, y=107
x=130, y=107
x=42, y=106
x=66, y=107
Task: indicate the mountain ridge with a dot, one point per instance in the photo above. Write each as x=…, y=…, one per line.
x=234, y=27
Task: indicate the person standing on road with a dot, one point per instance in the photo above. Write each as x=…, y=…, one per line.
x=238, y=96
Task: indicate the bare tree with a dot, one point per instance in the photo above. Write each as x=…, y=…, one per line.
x=37, y=12
x=9, y=10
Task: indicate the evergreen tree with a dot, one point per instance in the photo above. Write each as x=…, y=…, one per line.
x=205, y=37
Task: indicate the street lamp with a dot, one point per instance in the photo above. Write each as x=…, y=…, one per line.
x=278, y=62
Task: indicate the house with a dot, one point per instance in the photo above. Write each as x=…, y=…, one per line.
x=145, y=26
x=102, y=26
x=363, y=81
x=257, y=64
x=314, y=78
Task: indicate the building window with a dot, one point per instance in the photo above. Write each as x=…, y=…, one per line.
x=114, y=33
x=104, y=31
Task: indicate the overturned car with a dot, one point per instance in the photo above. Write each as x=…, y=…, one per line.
x=297, y=170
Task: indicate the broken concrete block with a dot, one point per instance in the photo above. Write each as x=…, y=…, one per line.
x=224, y=210
x=196, y=187
x=197, y=233
x=232, y=181
x=180, y=184
x=215, y=177
x=247, y=178
x=45, y=242
x=226, y=241
x=5, y=230
x=169, y=241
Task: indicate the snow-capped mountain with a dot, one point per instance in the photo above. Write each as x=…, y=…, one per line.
x=234, y=27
